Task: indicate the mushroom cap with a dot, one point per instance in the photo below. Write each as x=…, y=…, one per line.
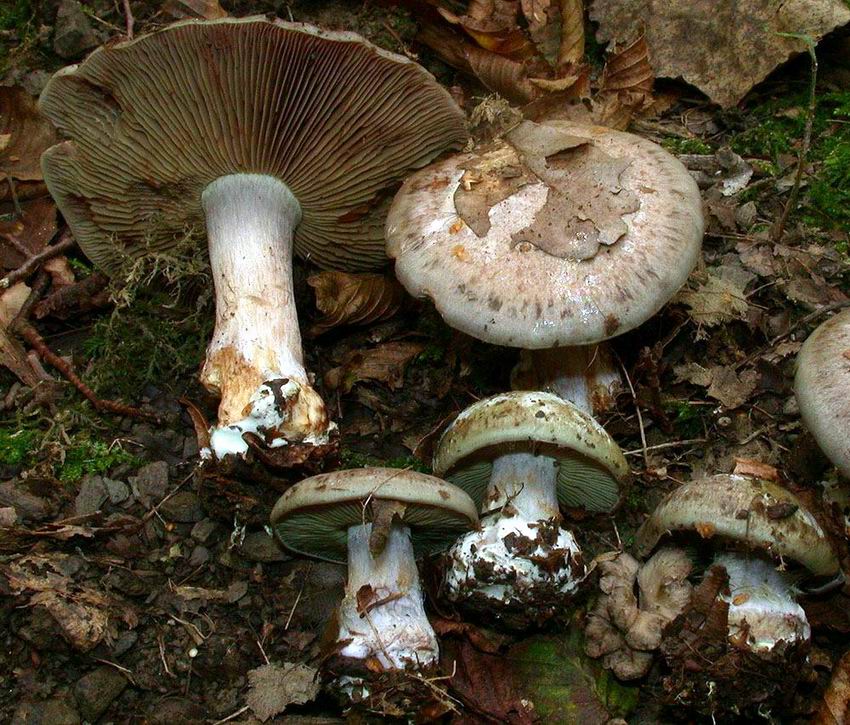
x=742, y=510
x=313, y=517
x=619, y=217
x=153, y=121
x=591, y=464
x=822, y=387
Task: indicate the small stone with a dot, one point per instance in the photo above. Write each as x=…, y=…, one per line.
x=91, y=497
x=206, y=531
x=118, y=491
x=183, y=507
x=125, y=642
x=259, y=546
x=96, y=691
x=73, y=34
x=200, y=555
x=49, y=712
x=151, y=483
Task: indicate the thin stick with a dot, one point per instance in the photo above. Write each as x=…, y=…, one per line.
x=65, y=243
x=131, y=21
x=779, y=227
x=639, y=416
x=811, y=316
x=233, y=716
x=664, y=446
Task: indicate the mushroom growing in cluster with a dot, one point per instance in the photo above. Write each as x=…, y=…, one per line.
x=278, y=137
x=822, y=387
x=764, y=543
x=557, y=236
x=523, y=456
x=378, y=520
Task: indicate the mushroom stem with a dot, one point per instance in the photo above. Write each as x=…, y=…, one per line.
x=762, y=610
x=520, y=557
x=254, y=359
x=382, y=613
x=585, y=375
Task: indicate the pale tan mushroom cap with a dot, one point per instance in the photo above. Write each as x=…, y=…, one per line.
x=591, y=465
x=313, y=517
x=822, y=387
x=746, y=511
x=153, y=121
x=499, y=286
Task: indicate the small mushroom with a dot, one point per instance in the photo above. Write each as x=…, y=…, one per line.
x=624, y=628
x=523, y=456
x=276, y=137
x=557, y=236
x=757, y=530
x=378, y=520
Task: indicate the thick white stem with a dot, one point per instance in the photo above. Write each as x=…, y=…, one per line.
x=520, y=557
x=586, y=375
x=527, y=482
x=383, y=613
x=250, y=222
x=761, y=603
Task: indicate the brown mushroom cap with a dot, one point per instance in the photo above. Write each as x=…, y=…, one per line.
x=560, y=235
x=747, y=511
x=822, y=387
x=154, y=120
x=313, y=517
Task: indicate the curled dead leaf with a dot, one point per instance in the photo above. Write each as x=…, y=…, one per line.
x=354, y=299
x=385, y=363
x=24, y=135
x=204, y=9
x=757, y=469
x=273, y=688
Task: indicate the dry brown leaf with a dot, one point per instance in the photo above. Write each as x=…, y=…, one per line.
x=720, y=298
x=730, y=388
x=723, y=47
x=385, y=363
x=205, y=9
x=24, y=135
x=354, y=299
x=273, y=688
x=626, y=90
x=835, y=707
x=12, y=354
x=749, y=467
x=571, y=50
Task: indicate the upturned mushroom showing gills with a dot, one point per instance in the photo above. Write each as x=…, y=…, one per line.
x=761, y=543
x=559, y=235
x=523, y=456
x=278, y=137
x=822, y=387
x=379, y=520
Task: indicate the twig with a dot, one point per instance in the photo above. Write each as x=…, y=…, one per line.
x=639, y=416
x=233, y=716
x=811, y=316
x=664, y=446
x=131, y=21
x=28, y=333
x=779, y=227
x=66, y=242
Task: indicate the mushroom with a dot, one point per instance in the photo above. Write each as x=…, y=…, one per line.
x=625, y=629
x=822, y=387
x=757, y=531
x=523, y=456
x=279, y=137
x=383, y=518
x=557, y=236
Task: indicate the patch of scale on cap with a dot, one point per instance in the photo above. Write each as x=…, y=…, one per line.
x=152, y=121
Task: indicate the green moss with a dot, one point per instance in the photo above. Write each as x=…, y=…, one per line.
x=16, y=446
x=152, y=341
x=92, y=457
x=678, y=145
x=355, y=459
x=687, y=419
x=16, y=15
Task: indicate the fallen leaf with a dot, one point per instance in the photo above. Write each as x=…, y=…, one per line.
x=385, y=363
x=24, y=135
x=354, y=299
x=757, y=469
x=205, y=9
x=12, y=354
x=723, y=47
x=732, y=389
x=720, y=298
x=834, y=709
x=272, y=688
x=627, y=81
x=27, y=234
